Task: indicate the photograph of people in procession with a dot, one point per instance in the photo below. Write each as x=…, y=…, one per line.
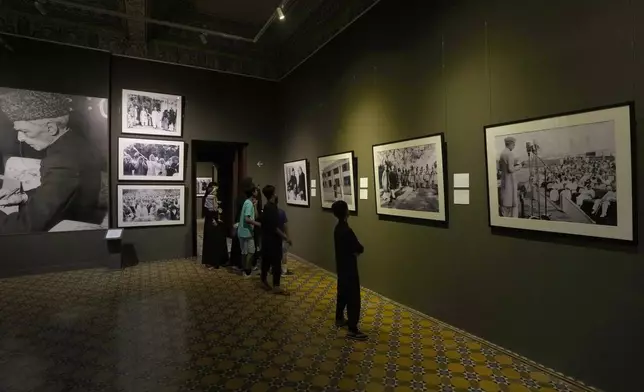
x=563, y=174
x=296, y=183
x=151, y=113
x=150, y=160
x=337, y=180
x=53, y=162
x=155, y=205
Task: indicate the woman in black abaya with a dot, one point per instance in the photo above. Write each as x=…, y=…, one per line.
x=215, y=249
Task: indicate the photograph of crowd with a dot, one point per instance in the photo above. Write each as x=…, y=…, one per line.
x=151, y=113
x=565, y=174
x=53, y=162
x=409, y=178
x=202, y=185
x=296, y=181
x=150, y=160
x=337, y=180
x=151, y=205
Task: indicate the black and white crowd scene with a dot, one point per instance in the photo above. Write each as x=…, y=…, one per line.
x=407, y=178
x=151, y=112
x=151, y=205
x=296, y=182
x=53, y=162
x=559, y=175
x=150, y=159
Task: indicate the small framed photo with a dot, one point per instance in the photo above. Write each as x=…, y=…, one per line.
x=337, y=179
x=202, y=185
x=409, y=178
x=151, y=205
x=296, y=183
x=148, y=113
x=151, y=160
x=569, y=173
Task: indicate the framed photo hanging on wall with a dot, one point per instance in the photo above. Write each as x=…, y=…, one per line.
x=151, y=205
x=147, y=113
x=150, y=160
x=202, y=185
x=337, y=179
x=409, y=178
x=296, y=183
x=570, y=173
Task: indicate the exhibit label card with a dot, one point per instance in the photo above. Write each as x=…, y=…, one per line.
x=314, y=192
x=461, y=196
x=114, y=234
x=364, y=194
x=313, y=183
x=364, y=182
x=461, y=180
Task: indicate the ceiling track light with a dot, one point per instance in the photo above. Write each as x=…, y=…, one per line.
x=40, y=6
x=280, y=13
x=203, y=38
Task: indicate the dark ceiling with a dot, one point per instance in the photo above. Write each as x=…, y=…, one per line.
x=237, y=36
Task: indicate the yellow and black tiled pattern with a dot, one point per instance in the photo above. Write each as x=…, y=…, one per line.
x=176, y=326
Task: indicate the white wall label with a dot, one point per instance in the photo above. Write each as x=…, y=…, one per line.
x=364, y=182
x=461, y=180
x=461, y=196
x=364, y=194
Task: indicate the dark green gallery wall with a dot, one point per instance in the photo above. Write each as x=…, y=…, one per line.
x=414, y=68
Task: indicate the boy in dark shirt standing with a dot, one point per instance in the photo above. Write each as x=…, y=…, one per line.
x=347, y=250
x=272, y=238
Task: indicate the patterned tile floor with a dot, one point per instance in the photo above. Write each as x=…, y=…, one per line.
x=176, y=326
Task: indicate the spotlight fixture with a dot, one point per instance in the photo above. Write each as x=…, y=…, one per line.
x=280, y=13
x=40, y=6
x=203, y=39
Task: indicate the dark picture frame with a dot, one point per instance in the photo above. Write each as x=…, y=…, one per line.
x=418, y=195
x=293, y=183
x=339, y=176
x=572, y=173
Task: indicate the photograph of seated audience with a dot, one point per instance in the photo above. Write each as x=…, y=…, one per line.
x=151, y=205
x=566, y=174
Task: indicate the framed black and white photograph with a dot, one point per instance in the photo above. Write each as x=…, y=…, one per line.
x=54, y=152
x=569, y=173
x=202, y=185
x=296, y=183
x=150, y=160
x=337, y=181
x=148, y=113
x=151, y=205
x=409, y=178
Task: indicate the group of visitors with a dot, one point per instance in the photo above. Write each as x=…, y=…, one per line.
x=265, y=230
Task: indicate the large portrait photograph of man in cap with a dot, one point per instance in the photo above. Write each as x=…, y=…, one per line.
x=568, y=174
x=53, y=162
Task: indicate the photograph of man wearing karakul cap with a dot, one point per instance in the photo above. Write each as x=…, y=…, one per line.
x=69, y=184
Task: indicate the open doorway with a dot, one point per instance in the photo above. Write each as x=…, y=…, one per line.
x=221, y=162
